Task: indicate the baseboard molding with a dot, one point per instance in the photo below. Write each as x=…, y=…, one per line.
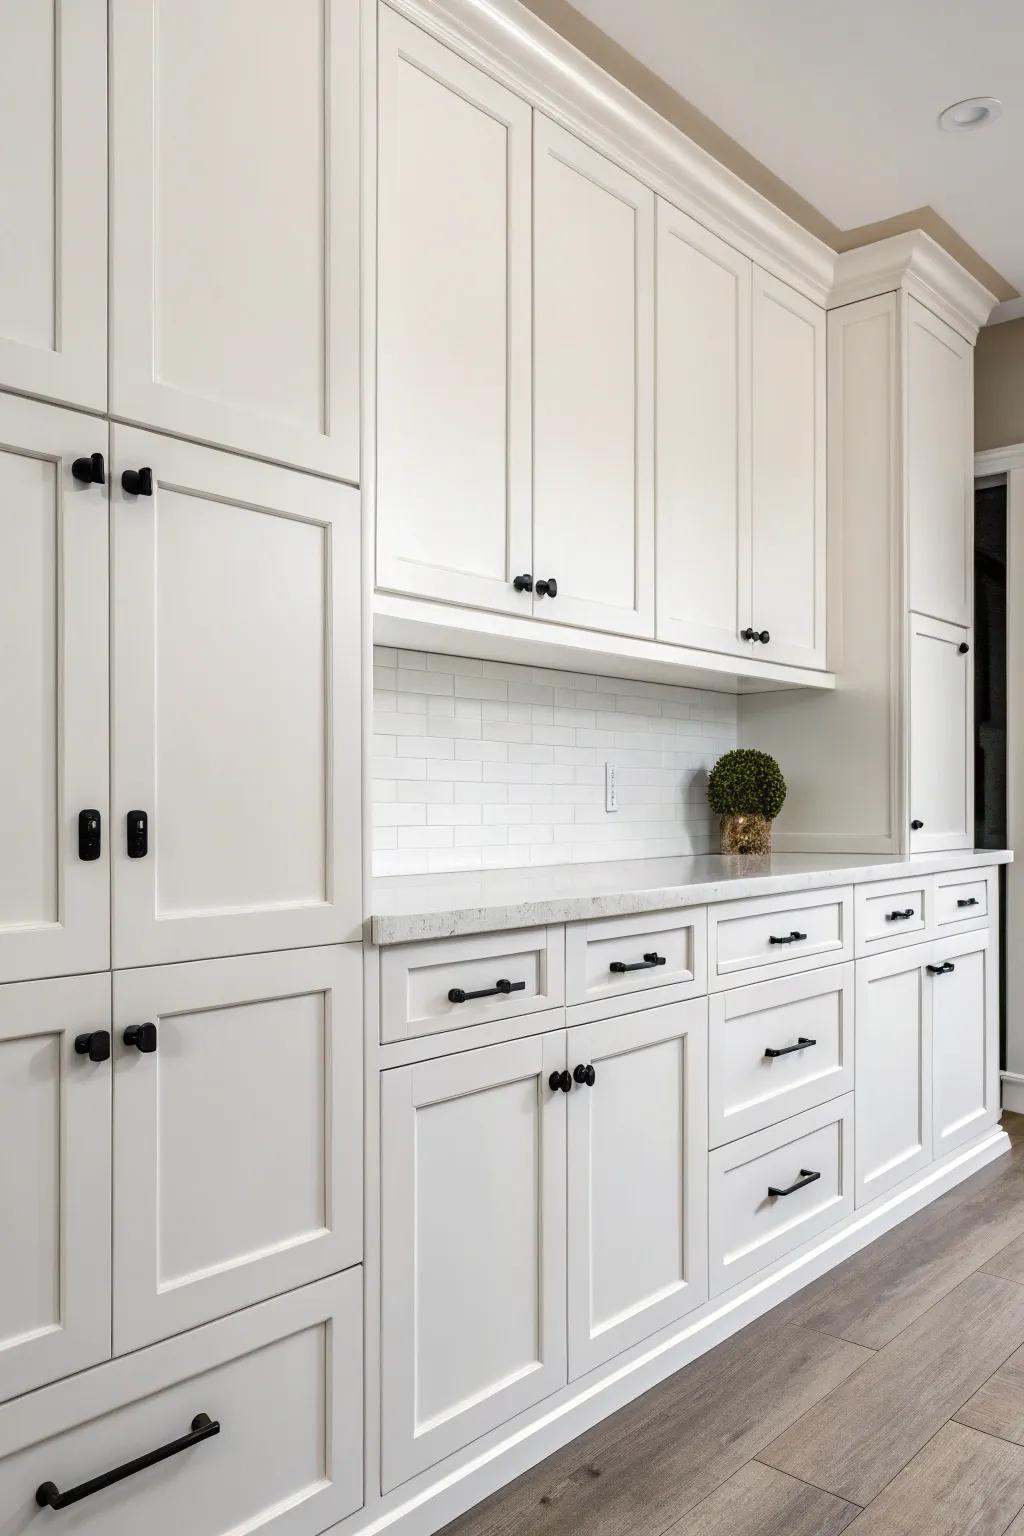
x=428, y=1505
x=1013, y=1091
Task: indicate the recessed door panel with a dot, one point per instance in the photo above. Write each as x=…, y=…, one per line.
x=893, y=1069
x=941, y=736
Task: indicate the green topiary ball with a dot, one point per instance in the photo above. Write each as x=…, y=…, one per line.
x=746, y=783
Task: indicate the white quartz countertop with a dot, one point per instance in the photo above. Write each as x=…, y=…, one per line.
x=413, y=907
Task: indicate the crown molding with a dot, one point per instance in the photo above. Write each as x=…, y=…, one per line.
x=917, y=265
x=999, y=461
x=514, y=46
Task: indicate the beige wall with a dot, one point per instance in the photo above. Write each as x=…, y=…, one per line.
x=999, y=386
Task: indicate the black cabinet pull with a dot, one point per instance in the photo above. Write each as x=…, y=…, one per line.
x=785, y=1050
x=49, y=1496
x=915, y=826
x=95, y=1045
x=90, y=835
x=585, y=1074
x=142, y=1036
x=649, y=961
x=137, y=482
x=548, y=588
x=91, y=471
x=761, y=635
x=457, y=995
x=963, y=647
x=898, y=917
x=560, y=1080
x=137, y=823
x=793, y=937
x=967, y=901
x=523, y=583
x=806, y=1177
x=940, y=970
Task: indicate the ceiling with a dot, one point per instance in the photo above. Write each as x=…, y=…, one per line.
x=840, y=102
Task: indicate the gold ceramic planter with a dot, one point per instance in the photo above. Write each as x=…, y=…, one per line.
x=746, y=834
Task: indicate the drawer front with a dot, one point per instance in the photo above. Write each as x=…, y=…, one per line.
x=613, y=958
x=964, y=900
x=891, y=913
x=778, y=935
x=779, y=1048
x=750, y=1226
x=284, y=1382
x=426, y=988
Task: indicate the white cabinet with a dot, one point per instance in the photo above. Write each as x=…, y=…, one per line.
x=893, y=1069
x=965, y=1038
x=279, y=1389
x=453, y=327
x=703, y=436
x=54, y=903
x=53, y=191
x=593, y=376
x=55, y=1193
x=237, y=1134
x=637, y=1186
x=236, y=635
x=939, y=466
x=941, y=803
x=473, y=1246
x=235, y=228
x=788, y=474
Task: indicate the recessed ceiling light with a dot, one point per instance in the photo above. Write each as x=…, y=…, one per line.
x=975, y=112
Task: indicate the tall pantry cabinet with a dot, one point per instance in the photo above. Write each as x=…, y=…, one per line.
x=180, y=686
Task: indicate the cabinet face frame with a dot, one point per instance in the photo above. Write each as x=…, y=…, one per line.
x=142, y=934
x=921, y=761
x=875, y=1178
x=147, y=1308
x=598, y=1044
x=74, y=368
x=79, y=1336
x=78, y=940
x=138, y=393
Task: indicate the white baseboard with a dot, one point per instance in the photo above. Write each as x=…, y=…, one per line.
x=1013, y=1091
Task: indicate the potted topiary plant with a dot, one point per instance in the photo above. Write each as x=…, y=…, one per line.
x=746, y=789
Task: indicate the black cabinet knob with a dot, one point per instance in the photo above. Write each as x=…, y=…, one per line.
x=963, y=647
x=585, y=1074
x=560, y=1080
x=90, y=835
x=915, y=826
x=523, y=583
x=95, y=1045
x=90, y=471
x=760, y=635
x=142, y=1037
x=138, y=482
x=547, y=588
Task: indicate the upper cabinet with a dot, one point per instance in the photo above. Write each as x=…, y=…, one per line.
x=453, y=327
x=788, y=474
x=593, y=339
x=939, y=466
x=53, y=190
x=235, y=228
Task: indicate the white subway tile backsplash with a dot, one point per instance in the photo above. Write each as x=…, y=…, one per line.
x=485, y=764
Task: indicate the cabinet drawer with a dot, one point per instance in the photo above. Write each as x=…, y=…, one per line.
x=613, y=958
x=428, y=987
x=964, y=899
x=750, y=1227
x=777, y=935
x=779, y=1048
x=283, y=1380
x=891, y=913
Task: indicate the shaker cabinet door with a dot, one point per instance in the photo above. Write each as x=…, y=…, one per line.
x=965, y=1038
x=893, y=1069
x=941, y=736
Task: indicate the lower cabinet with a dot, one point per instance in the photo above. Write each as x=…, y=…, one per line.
x=264, y=1410
x=965, y=1038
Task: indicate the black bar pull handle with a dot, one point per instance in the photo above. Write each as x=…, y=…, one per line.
x=90, y=835
x=899, y=917
x=793, y=937
x=802, y=1044
x=940, y=970
x=968, y=901
x=806, y=1177
x=649, y=961
x=49, y=1496
x=137, y=827
x=501, y=988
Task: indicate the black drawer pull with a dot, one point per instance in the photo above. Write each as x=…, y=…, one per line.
x=806, y=1177
x=560, y=1080
x=790, y=938
x=967, y=901
x=940, y=970
x=898, y=917
x=649, y=961
x=785, y=1050
x=502, y=988
x=90, y=835
x=585, y=1074
x=137, y=834
x=49, y=1496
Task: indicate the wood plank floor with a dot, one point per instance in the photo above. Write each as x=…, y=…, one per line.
x=885, y=1399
